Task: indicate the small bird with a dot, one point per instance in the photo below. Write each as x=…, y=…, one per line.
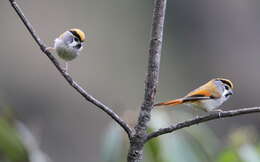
x=208, y=97
x=69, y=44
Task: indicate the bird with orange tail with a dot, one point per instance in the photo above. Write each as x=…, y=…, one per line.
x=208, y=97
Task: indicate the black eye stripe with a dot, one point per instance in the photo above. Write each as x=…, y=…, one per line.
x=76, y=39
x=226, y=82
x=226, y=87
x=75, y=34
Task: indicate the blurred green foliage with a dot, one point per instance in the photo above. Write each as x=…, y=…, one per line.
x=17, y=143
x=197, y=143
x=243, y=147
x=12, y=148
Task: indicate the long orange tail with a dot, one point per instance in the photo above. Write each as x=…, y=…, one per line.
x=170, y=103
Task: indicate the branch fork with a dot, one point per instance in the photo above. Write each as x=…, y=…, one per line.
x=137, y=136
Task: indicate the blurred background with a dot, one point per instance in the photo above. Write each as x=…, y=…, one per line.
x=202, y=40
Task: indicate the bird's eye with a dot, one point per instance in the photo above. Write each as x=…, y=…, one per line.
x=76, y=39
x=226, y=87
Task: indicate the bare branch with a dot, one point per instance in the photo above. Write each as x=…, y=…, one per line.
x=137, y=142
x=201, y=119
x=66, y=75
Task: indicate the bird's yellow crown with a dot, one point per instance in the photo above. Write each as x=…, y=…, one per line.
x=79, y=34
x=226, y=81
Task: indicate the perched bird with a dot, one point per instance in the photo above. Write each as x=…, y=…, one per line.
x=69, y=44
x=208, y=97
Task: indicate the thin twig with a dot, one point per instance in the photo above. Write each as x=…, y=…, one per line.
x=66, y=75
x=136, y=144
x=201, y=119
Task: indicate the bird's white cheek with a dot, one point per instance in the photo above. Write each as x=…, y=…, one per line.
x=72, y=44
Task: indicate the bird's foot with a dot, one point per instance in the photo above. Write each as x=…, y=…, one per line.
x=49, y=49
x=219, y=112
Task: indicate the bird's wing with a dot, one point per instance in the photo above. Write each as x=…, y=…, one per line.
x=202, y=93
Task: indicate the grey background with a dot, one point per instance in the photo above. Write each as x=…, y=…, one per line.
x=203, y=39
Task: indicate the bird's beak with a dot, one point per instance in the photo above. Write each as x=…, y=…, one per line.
x=230, y=93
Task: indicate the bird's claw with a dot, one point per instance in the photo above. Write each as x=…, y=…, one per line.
x=219, y=112
x=49, y=49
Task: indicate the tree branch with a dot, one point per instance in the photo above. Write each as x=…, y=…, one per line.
x=137, y=142
x=201, y=119
x=66, y=75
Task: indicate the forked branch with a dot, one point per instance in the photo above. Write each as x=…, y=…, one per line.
x=139, y=135
x=137, y=142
